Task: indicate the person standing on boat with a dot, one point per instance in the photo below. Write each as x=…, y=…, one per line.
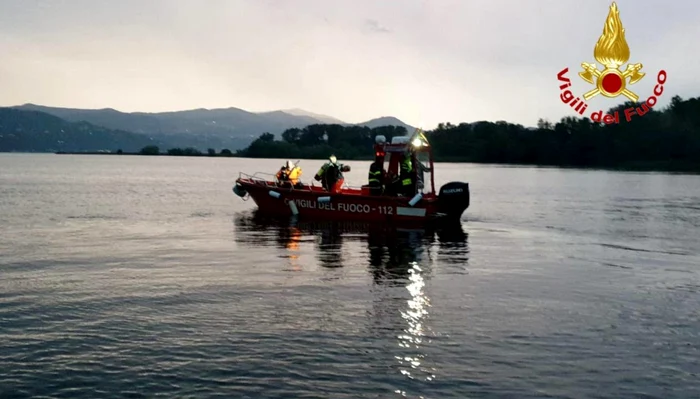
x=289, y=174
x=407, y=177
x=331, y=174
x=376, y=178
x=421, y=169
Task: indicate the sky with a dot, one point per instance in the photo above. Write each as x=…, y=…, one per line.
x=423, y=61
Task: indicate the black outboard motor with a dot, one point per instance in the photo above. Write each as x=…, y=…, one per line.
x=453, y=199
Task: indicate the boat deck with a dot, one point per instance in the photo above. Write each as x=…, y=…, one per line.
x=267, y=180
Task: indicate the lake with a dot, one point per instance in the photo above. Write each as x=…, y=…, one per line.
x=135, y=276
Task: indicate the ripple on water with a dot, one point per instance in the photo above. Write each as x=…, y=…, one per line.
x=145, y=277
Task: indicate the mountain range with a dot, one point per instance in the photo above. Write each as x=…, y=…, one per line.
x=31, y=127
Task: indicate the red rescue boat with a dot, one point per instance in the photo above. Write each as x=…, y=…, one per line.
x=360, y=204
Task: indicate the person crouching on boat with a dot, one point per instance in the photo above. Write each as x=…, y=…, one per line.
x=289, y=175
x=331, y=174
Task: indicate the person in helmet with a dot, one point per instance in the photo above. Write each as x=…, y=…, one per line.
x=289, y=174
x=331, y=174
x=407, y=175
x=376, y=178
x=405, y=183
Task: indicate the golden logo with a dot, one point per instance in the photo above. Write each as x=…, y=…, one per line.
x=612, y=51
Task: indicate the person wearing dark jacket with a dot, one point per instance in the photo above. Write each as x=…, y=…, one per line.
x=407, y=177
x=376, y=178
x=331, y=174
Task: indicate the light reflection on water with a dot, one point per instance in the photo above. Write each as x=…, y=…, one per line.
x=415, y=313
x=399, y=261
x=293, y=248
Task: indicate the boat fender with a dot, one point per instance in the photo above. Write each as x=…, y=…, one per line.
x=415, y=199
x=293, y=207
x=239, y=190
x=274, y=194
x=323, y=199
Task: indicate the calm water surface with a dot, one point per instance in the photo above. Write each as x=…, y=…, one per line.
x=145, y=276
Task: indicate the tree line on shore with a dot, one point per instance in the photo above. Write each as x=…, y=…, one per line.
x=665, y=139
x=187, y=152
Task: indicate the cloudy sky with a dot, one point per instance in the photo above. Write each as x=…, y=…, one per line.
x=423, y=61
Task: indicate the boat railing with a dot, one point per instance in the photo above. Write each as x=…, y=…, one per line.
x=347, y=186
x=270, y=180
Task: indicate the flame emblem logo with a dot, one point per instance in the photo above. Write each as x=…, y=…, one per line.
x=612, y=51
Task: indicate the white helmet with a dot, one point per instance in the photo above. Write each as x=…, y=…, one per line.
x=332, y=158
x=290, y=164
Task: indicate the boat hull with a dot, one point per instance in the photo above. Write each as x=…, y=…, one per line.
x=313, y=202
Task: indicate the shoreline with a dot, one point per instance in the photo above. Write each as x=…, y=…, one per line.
x=665, y=167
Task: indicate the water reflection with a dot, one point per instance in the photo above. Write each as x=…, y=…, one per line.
x=392, y=251
x=453, y=247
x=402, y=259
x=291, y=238
x=400, y=262
x=330, y=245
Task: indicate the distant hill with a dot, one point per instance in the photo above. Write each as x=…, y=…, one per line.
x=34, y=131
x=386, y=121
x=319, y=117
x=282, y=118
x=231, y=128
x=221, y=123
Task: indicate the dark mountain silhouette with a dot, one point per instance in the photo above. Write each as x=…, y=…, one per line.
x=34, y=131
x=285, y=119
x=386, y=121
x=232, y=128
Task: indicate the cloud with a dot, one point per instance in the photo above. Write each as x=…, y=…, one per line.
x=374, y=26
x=424, y=62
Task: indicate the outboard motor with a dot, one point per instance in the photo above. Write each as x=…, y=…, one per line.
x=453, y=199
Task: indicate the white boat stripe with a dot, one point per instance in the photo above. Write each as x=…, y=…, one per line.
x=404, y=211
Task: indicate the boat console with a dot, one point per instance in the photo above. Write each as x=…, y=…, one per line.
x=453, y=198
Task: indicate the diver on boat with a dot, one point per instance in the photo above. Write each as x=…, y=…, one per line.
x=376, y=178
x=289, y=175
x=331, y=174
